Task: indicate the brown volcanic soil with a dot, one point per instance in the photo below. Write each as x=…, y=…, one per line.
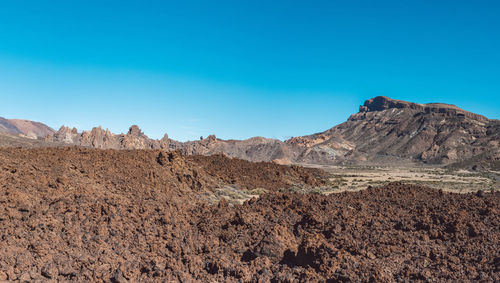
x=93, y=215
x=256, y=174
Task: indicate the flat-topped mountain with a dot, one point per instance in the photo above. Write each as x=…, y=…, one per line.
x=387, y=130
x=381, y=103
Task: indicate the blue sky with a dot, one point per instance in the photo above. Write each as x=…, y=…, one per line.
x=241, y=68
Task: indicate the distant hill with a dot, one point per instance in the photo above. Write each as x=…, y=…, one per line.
x=384, y=131
x=25, y=128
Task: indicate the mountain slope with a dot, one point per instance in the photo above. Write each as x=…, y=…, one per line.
x=7, y=127
x=391, y=130
x=26, y=128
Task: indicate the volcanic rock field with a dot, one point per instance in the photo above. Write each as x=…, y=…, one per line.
x=88, y=215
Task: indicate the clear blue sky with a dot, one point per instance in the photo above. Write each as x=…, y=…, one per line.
x=241, y=68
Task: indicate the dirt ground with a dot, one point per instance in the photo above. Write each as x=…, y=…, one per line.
x=130, y=216
x=355, y=178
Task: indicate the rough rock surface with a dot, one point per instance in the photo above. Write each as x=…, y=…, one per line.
x=104, y=139
x=107, y=215
x=238, y=171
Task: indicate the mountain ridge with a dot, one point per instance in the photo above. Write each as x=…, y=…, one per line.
x=384, y=130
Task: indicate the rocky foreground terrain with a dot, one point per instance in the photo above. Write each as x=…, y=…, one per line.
x=146, y=215
x=95, y=206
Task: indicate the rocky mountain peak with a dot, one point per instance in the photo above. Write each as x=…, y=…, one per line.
x=134, y=130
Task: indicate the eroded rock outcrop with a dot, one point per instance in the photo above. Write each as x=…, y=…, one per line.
x=100, y=138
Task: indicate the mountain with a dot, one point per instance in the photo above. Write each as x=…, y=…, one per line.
x=384, y=131
x=388, y=130
x=25, y=128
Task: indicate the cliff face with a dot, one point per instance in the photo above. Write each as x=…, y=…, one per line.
x=381, y=103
